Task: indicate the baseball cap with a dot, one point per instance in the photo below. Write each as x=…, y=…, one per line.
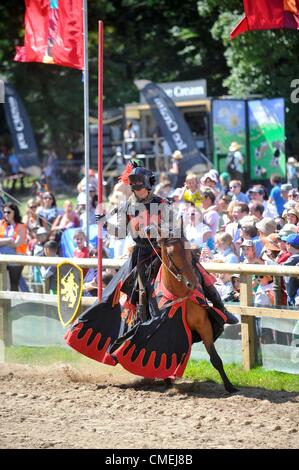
x=293, y=239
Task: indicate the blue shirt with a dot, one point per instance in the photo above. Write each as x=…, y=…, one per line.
x=230, y=257
x=278, y=199
x=241, y=197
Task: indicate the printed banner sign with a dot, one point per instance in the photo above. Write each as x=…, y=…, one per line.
x=20, y=128
x=172, y=124
x=229, y=125
x=266, y=138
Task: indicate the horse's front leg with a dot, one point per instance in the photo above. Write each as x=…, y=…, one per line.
x=204, y=328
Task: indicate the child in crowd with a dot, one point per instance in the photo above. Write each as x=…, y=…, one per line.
x=264, y=295
x=225, y=247
x=223, y=283
x=235, y=295
x=81, y=250
x=41, y=238
x=248, y=251
x=50, y=272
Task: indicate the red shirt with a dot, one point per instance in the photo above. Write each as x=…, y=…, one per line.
x=84, y=253
x=283, y=257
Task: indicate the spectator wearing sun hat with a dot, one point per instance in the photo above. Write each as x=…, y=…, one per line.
x=292, y=283
x=235, y=162
x=271, y=249
x=291, y=216
x=266, y=226
x=286, y=230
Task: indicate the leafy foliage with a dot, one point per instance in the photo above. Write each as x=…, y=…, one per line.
x=157, y=40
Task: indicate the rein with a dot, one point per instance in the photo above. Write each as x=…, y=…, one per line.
x=177, y=276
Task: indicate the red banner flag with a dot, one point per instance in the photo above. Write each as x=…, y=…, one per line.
x=53, y=33
x=268, y=14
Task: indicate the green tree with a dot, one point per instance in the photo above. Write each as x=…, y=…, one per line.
x=260, y=62
x=157, y=40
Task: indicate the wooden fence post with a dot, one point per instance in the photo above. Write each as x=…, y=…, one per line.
x=5, y=323
x=247, y=323
x=277, y=290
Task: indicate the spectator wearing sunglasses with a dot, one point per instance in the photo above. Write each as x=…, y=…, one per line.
x=13, y=240
x=31, y=219
x=264, y=295
x=235, y=187
x=49, y=211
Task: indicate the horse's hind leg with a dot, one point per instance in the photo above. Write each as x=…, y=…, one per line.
x=207, y=337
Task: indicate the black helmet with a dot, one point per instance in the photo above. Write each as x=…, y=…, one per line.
x=142, y=178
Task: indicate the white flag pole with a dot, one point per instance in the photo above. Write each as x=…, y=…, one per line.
x=86, y=114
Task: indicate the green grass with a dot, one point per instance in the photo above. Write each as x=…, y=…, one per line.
x=257, y=377
x=196, y=370
x=43, y=355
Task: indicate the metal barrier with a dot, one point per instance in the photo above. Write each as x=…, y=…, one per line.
x=246, y=309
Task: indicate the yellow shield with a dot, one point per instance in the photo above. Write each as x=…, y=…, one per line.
x=69, y=291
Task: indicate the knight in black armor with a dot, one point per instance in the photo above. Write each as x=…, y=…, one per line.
x=127, y=312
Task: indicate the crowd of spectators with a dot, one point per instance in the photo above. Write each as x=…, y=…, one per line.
x=224, y=221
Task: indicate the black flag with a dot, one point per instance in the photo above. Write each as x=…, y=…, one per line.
x=172, y=124
x=20, y=129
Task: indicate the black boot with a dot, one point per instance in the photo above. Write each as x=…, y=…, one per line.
x=231, y=319
x=213, y=295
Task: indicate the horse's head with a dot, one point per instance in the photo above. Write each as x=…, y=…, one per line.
x=178, y=260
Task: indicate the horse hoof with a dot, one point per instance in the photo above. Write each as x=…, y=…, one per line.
x=231, y=389
x=168, y=383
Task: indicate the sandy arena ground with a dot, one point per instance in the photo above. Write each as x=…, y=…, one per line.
x=61, y=407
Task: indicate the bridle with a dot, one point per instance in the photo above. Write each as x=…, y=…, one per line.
x=176, y=273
